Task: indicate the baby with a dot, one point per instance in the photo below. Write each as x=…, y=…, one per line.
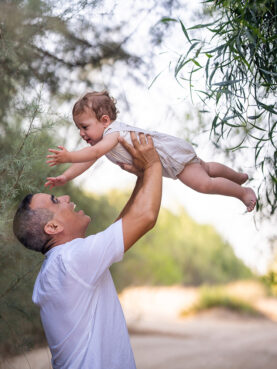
x=95, y=116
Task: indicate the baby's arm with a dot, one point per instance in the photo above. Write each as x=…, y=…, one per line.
x=85, y=155
x=72, y=172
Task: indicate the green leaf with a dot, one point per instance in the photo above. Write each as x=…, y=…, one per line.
x=267, y=107
x=154, y=80
x=182, y=62
x=227, y=83
x=165, y=20
x=259, y=128
x=218, y=48
x=239, y=145
x=185, y=31
x=257, y=152
x=254, y=117
x=267, y=72
x=192, y=47
x=214, y=122
x=198, y=26
x=196, y=63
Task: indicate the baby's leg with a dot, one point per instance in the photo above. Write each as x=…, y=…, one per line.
x=196, y=177
x=219, y=170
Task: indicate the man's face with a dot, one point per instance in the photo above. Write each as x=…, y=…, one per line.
x=74, y=223
x=91, y=129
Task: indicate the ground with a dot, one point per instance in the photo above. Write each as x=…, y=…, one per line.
x=215, y=339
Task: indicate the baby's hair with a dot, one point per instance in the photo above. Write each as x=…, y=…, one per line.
x=101, y=103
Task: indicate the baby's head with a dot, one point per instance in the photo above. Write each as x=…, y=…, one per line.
x=98, y=103
x=93, y=113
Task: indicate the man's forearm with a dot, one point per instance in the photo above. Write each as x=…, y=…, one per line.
x=142, y=212
x=149, y=198
x=136, y=190
x=150, y=180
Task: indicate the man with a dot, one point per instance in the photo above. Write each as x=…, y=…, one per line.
x=80, y=311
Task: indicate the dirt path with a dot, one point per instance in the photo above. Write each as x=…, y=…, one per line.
x=210, y=341
x=216, y=339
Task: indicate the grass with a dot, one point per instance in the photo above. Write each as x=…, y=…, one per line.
x=211, y=297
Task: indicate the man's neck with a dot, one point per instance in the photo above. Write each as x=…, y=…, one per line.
x=57, y=241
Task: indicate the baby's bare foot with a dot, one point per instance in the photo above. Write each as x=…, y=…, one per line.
x=249, y=198
x=243, y=177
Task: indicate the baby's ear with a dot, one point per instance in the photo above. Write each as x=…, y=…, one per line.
x=105, y=120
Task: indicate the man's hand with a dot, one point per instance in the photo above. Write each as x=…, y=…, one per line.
x=56, y=181
x=143, y=153
x=59, y=157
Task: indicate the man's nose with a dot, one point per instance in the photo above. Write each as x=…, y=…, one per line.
x=64, y=198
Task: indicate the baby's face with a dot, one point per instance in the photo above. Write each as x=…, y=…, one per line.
x=91, y=129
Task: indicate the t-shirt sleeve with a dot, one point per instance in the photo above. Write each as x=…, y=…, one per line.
x=87, y=259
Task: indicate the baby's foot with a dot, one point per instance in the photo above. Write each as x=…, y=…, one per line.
x=249, y=198
x=242, y=178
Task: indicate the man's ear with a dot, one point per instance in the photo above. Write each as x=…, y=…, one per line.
x=105, y=120
x=53, y=227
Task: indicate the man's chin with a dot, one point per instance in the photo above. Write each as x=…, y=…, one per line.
x=88, y=219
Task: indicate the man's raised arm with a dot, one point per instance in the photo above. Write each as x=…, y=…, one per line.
x=141, y=211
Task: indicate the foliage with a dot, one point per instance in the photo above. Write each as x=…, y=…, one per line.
x=270, y=280
x=237, y=59
x=41, y=45
x=70, y=47
x=211, y=297
x=178, y=250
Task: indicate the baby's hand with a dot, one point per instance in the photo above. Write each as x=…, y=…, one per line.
x=55, y=181
x=60, y=156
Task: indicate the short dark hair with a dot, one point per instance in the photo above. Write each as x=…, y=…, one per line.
x=101, y=103
x=28, y=226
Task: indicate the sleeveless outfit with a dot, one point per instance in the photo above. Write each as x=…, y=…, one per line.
x=174, y=152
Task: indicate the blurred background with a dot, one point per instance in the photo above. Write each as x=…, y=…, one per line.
x=202, y=71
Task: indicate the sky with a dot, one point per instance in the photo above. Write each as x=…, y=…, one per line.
x=166, y=106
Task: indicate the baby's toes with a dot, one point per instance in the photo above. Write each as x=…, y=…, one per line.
x=251, y=206
x=249, y=199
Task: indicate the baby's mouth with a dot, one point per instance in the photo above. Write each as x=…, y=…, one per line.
x=90, y=141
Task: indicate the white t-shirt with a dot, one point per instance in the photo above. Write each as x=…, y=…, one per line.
x=80, y=311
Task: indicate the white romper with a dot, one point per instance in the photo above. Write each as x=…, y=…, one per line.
x=174, y=152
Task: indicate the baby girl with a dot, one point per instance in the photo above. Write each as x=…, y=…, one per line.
x=95, y=115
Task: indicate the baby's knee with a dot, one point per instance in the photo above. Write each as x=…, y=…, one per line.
x=206, y=186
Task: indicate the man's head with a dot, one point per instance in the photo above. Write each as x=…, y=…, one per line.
x=43, y=221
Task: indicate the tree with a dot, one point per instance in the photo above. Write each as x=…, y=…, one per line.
x=238, y=59
x=49, y=54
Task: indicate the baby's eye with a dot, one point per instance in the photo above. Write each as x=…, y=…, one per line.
x=85, y=127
